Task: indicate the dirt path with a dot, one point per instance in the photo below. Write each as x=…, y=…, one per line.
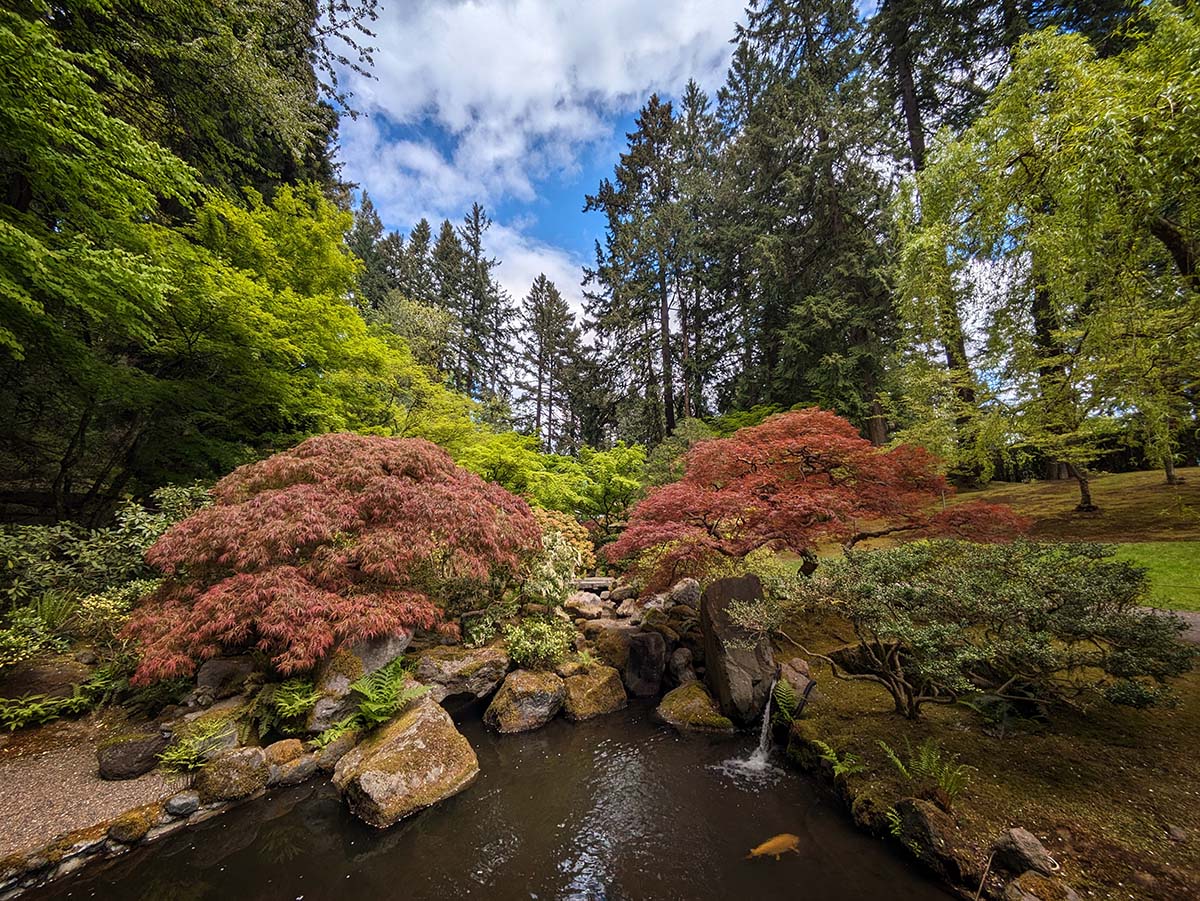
x=1192, y=619
x=51, y=785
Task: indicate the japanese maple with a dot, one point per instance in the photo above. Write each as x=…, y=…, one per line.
x=796, y=480
x=342, y=538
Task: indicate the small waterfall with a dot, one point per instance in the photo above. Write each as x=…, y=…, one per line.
x=763, y=751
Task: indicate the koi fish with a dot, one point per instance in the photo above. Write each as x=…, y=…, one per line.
x=776, y=847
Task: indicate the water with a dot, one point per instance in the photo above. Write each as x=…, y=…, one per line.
x=617, y=808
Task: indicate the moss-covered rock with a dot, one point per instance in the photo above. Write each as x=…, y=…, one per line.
x=452, y=671
x=414, y=761
x=690, y=708
x=612, y=643
x=592, y=693
x=342, y=668
x=133, y=825
x=130, y=755
x=233, y=775
x=527, y=700
x=283, y=751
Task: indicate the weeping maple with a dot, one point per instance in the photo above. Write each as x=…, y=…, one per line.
x=791, y=483
x=342, y=538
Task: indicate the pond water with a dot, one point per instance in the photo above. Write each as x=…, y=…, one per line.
x=615, y=808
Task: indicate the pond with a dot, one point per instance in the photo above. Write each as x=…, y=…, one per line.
x=615, y=808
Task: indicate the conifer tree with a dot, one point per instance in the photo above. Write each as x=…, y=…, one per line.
x=547, y=340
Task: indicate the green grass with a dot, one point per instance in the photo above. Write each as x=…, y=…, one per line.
x=1174, y=571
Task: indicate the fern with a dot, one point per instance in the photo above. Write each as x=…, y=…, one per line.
x=294, y=698
x=336, y=731
x=191, y=749
x=895, y=824
x=895, y=759
x=930, y=764
x=385, y=693
x=785, y=702
x=845, y=765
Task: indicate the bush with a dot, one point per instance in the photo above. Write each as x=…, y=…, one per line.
x=342, y=538
x=573, y=531
x=539, y=642
x=190, y=750
x=25, y=636
x=34, y=710
x=553, y=571
x=99, y=618
x=939, y=621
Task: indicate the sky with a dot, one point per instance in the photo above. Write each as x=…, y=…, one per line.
x=522, y=105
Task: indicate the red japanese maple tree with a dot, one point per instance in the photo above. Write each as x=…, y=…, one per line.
x=343, y=537
x=794, y=481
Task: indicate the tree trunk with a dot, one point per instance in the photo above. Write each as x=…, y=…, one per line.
x=877, y=424
x=1081, y=476
x=668, y=374
x=1169, y=466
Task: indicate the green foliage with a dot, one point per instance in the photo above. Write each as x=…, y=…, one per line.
x=194, y=743
x=929, y=763
x=26, y=636
x=845, y=765
x=385, y=693
x=664, y=463
x=786, y=703
x=279, y=707
x=35, y=710
x=344, y=726
x=539, y=642
x=936, y=621
x=553, y=572
x=612, y=484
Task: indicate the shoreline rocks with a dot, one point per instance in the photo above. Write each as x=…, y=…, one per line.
x=527, y=700
x=690, y=708
x=593, y=693
x=345, y=666
x=739, y=666
x=453, y=671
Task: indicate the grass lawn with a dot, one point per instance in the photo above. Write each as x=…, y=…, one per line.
x=1174, y=570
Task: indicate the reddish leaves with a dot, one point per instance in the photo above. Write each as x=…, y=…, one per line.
x=796, y=480
x=343, y=537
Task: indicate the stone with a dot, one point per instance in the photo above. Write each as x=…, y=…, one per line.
x=592, y=693
x=680, y=667
x=631, y=609
x=1033, y=886
x=527, y=700
x=408, y=764
x=685, y=592
x=133, y=825
x=1177, y=833
x=294, y=771
x=934, y=838
x=87, y=657
x=1018, y=850
x=646, y=664
x=223, y=677
x=130, y=756
x=182, y=804
x=345, y=666
x=328, y=756
x=586, y=605
x=690, y=708
x=612, y=644
x=739, y=665
x=282, y=752
x=456, y=671
x=681, y=613
x=622, y=593
x=795, y=672
x=233, y=775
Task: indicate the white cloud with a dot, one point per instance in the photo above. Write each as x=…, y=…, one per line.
x=521, y=88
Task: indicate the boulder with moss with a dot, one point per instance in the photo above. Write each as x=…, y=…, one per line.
x=131, y=755
x=408, y=764
x=592, y=692
x=343, y=668
x=690, y=708
x=233, y=775
x=612, y=643
x=453, y=671
x=527, y=700
x=132, y=825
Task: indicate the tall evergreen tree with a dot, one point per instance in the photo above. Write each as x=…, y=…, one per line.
x=548, y=339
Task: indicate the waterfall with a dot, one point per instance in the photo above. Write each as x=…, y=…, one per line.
x=763, y=751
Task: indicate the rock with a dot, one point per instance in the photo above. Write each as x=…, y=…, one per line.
x=457, y=671
x=1018, y=850
x=294, y=771
x=282, y=752
x=414, y=761
x=622, y=593
x=933, y=836
x=586, y=605
x=631, y=609
x=646, y=663
x=223, y=677
x=1033, y=886
x=739, y=665
x=680, y=667
x=133, y=825
x=592, y=693
x=570, y=667
x=795, y=672
x=87, y=657
x=685, y=592
x=328, y=756
x=346, y=665
x=182, y=804
x=527, y=700
x=130, y=756
x=1177, y=834
x=690, y=708
x=612, y=644
x=681, y=613
x=535, y=610
x=233, y=775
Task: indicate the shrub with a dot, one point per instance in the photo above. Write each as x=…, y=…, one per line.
x=573, y=531
x=930, y=764
x=794, y=481
x=343, y=537
x=936, y=621
x=25, y=636
x=190, y=750
x=99, y=618
x=34, y=710
x=539, y=642
x=280, y=706
x=553, y=571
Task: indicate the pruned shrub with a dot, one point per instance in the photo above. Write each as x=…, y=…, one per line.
x=940, y=621
x=553, y=571
x=575, y=533
x=539, y=642
x=343, y=537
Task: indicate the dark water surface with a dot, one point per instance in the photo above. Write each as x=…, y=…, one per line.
x=616, y=808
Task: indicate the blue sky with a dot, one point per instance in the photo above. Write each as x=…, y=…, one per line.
x=522, y=105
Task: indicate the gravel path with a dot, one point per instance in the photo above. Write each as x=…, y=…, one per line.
x=50, y=786
x=1192, y=618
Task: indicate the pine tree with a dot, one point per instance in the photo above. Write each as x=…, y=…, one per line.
x=416, y=279
x=367, y=242
x=547, y=338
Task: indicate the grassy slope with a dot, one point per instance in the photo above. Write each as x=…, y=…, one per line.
x=1098, y=788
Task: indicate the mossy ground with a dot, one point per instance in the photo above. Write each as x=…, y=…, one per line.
x=1099, y=788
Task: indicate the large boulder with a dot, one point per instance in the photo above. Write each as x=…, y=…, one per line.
x=685, y=592
x=414, y=761
x=645, y=665
x=1019, y=850
x=223, y=677
x=342, y=668
x=690, y=708
x=591, y=693
x=933, y=836
x=454, y=671
x=739, y=665
x=612, y=643
x=622, y=593
x=586, y=605
x=527, y=700
x=130, y=756
x=233, y=775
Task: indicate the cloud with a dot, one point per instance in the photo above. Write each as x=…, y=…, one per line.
x=487, y=99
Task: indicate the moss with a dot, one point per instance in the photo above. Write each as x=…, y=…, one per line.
x=691, y=708
x=593, y=693
x=133, y=825
x=343, y=662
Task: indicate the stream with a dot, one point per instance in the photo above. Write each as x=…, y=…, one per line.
x=615, y=808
